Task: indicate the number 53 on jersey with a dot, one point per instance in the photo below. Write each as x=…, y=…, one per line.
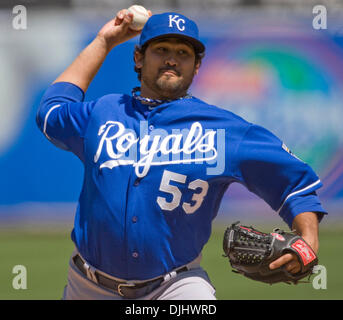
x=199, y=186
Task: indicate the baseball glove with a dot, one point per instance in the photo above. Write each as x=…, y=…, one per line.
x=250, y=252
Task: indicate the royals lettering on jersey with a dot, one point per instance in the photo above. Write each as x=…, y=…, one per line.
x=114, y=136
x=154, y=180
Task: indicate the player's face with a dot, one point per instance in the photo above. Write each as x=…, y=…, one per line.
x=167, y=68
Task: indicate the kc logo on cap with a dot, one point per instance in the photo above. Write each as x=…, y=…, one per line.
x=171, y=25
x=173, y=18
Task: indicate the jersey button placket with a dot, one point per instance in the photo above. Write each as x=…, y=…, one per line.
x=137, y=181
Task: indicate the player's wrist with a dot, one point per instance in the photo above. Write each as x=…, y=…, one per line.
x=312, y=241
x=104, y=43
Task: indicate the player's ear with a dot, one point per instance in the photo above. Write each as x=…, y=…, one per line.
x=139, y=58
x=197, y=66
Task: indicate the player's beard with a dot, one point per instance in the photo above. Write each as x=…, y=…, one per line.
x=168, y=86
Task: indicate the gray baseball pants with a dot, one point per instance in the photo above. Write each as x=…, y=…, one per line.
x=193, y=284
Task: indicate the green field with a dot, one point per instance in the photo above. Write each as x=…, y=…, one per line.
x=45, y=256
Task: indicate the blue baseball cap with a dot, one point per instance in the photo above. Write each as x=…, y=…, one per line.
x=171, y=25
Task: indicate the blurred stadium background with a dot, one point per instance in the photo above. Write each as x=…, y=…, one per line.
x=264, y=61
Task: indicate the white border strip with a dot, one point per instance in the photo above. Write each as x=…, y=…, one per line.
x=46, y=119
x=299, y=191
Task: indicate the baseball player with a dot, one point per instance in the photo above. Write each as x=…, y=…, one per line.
x=156, y=165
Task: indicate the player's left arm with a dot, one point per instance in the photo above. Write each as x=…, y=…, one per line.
x=268, y=169
x=306, y=225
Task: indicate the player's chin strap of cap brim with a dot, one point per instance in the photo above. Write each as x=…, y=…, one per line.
x=128, y=289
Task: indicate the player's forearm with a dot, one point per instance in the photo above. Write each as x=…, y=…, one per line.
x=84, y=68
x=116, y=31
x=307, y=225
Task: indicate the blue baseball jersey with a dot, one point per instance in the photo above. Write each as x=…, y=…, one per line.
x=154, y=179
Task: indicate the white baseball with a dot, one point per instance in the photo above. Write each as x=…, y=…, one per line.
x=140, y=17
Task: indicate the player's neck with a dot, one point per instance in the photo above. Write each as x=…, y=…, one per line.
x=146, y=92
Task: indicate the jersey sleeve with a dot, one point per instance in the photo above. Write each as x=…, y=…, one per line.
x=63, y=116
x=268, y=169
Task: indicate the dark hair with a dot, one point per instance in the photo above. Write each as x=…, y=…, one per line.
x=141, y=50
